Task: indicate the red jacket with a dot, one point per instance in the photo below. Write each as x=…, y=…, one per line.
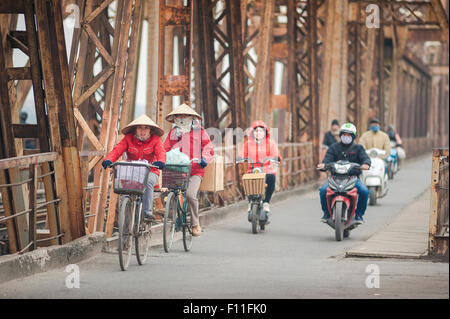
x=259, y=152
x=151, y=150
x=195, y=144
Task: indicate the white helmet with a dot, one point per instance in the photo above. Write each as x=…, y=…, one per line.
x=348, y=128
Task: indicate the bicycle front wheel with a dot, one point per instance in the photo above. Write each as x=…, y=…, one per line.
x=170, y=222
x=142, y=238
x=126, y=223
x=187, y=235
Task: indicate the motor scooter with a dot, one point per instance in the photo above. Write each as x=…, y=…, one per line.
x=392, y=161
x=376, y=178
x=342, y=196
x=254, y=185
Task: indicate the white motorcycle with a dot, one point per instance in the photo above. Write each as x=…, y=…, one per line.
x=376, y=177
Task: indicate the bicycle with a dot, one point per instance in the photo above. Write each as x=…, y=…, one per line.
x=176, y=179
x=254, y=188
x=130, y=181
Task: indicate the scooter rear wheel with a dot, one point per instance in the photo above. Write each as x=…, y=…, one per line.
x=372, y=195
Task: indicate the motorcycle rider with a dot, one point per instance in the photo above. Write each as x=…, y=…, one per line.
x=332, y=136
x=394, y=137
x=346, y=149
x=375, y=138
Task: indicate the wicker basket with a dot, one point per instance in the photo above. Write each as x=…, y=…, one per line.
x=130, y=178
x=176, y=176
x=254, y=184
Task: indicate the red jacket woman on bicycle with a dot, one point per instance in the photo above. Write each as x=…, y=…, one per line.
x=193, y=140
x=142, y=141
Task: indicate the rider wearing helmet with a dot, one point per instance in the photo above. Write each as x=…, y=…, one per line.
x=346, y=149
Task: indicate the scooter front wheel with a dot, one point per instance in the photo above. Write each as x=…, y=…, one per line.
x=339, y=211
x=255, y=218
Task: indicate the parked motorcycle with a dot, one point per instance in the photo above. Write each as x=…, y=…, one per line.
x=342, y=196
x=376, y=177
x=392, y=161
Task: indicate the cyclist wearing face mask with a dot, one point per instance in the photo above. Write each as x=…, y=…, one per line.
x=346, y=149
x=375, y=138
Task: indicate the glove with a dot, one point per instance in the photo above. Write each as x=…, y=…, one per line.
x=203, y=163
x=160, y=165
x=106, y=163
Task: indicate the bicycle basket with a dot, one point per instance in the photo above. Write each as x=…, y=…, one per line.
x=254, y=184
x=130, y=178
x=176, y=176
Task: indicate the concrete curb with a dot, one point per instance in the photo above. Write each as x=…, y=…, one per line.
x=216, y=215
x=46, y=258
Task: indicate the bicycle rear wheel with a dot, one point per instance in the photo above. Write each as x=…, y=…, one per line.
x=142, y=238
x=170, y=217
x=126, y=223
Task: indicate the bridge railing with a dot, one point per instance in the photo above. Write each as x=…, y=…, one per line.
x=439, y=204
x=14, y=223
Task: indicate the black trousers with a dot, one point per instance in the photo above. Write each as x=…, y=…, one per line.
x=270, y=181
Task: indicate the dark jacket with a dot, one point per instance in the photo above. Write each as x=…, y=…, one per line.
x=329, y=139
x=354, y=153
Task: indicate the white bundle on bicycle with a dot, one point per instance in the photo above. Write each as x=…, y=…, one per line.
x=177, y=157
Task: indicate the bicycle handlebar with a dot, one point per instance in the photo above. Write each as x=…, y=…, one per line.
x=132, y=164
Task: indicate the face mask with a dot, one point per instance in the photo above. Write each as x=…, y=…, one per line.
x=375, y=128
x=391, y=134
x=184, y=123
x=346, y=139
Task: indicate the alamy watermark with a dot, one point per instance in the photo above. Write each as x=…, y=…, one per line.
x=373, y=279
x=73, y=279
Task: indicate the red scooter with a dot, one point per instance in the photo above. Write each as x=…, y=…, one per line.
x=342, y=196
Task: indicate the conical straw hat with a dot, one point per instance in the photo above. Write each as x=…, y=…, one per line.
x=182, y=109
x=143, y=120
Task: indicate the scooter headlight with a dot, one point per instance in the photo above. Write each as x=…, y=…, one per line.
x=373, y=153
x=341, y=169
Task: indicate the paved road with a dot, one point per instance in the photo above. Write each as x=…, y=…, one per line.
x=297, y=257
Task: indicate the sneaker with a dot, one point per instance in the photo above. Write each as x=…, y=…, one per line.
x=266, y=207
x=325, y=218
x=359, y=220
x=267, y=222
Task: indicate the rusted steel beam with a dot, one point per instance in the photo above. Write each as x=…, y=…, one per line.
x=132, y=63
x=168, y=84
x=333, y=93
x=442, y=18
x=116, y=94
x=14, y=7
x=99, y=183
x=313, y=80
x=259, y=102
x=53, y=101
x=16, y=202
x=42, y=120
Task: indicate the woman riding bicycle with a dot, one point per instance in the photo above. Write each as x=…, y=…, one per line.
x=142, y=141
x=259, y=147
x=191, y=138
